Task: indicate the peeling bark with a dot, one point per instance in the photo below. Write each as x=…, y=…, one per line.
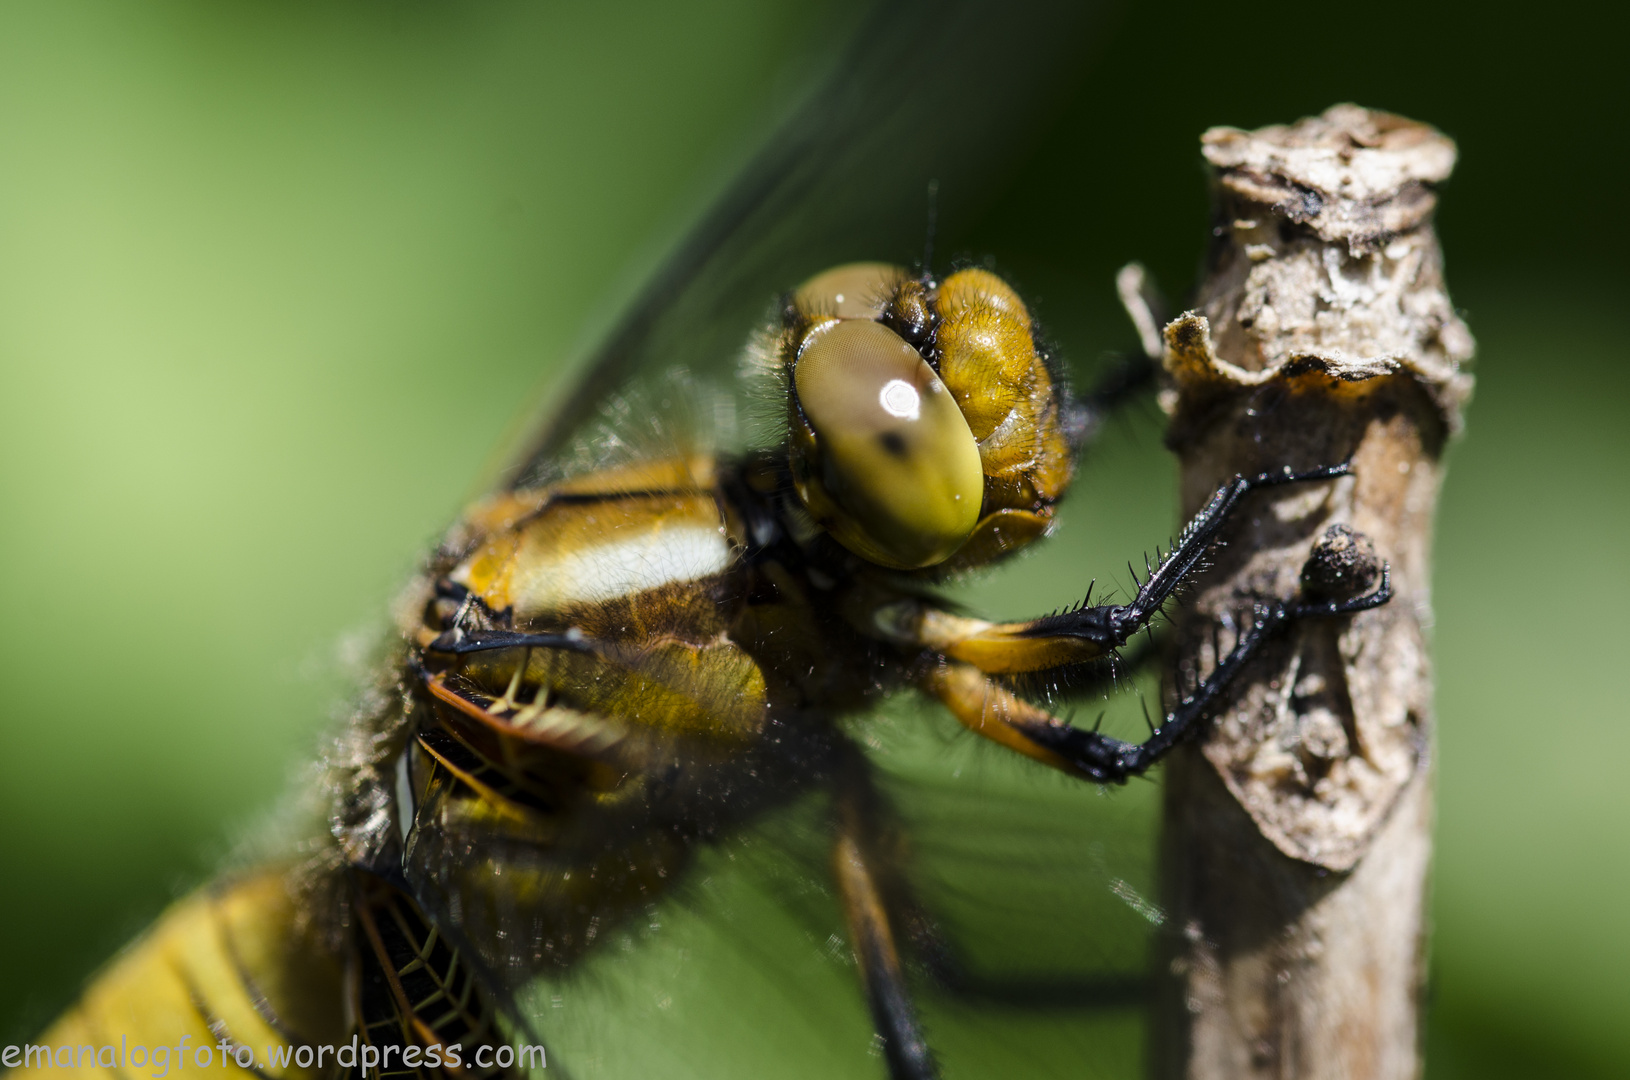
x=1297, y=832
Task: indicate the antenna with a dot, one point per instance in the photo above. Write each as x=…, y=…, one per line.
x=933, y=220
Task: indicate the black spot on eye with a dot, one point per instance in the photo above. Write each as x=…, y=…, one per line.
x=893, y=443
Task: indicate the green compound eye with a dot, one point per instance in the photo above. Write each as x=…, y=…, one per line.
x=893, y=457
x=854, y=291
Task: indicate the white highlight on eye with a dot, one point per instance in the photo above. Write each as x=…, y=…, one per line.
x=624, y=567
x=899, y=398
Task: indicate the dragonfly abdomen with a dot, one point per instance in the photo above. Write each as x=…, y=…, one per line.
x=227, y=976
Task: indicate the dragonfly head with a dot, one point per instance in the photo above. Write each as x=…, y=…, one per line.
x=924, y=426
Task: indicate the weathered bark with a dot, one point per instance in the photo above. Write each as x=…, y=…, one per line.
x=1297, y=833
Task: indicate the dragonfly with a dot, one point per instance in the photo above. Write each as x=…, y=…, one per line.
x=649, y=641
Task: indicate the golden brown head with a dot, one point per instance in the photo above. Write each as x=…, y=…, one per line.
x=924, y=427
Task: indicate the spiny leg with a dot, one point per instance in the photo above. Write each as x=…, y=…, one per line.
x=1129, y=375
x=869, y=838
x=1127, y=378
x=1084, y=633
x=994, y=711
x=863, y=870
x=989, y=709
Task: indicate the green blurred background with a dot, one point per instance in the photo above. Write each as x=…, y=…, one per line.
x=275, y=280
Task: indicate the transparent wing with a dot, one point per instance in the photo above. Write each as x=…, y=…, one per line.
x=1038, y=885
x=942, y=93
x=1036, y=882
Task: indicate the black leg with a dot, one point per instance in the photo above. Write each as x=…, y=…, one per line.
x=1126, y=378
x=1109, y=626
x=1083, y=633
x=1090, y=680
x=1109, y=760
x=864, y=864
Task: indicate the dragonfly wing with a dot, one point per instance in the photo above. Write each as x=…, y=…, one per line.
x=948, y=93
x=925, y=92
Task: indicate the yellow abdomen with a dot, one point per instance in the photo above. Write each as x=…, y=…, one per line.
x=223, y=968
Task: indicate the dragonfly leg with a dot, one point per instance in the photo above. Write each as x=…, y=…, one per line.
x=1127, y=378
x=871, y=904
x=1085, y=632
x=991, y=710
x=1131, y=374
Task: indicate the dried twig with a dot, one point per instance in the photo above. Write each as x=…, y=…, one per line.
x=1297, y=834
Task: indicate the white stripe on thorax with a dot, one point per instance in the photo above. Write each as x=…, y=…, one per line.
x=623, y=567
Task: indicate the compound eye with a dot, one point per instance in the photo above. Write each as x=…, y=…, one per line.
x=894, y=453
x=853, y=291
